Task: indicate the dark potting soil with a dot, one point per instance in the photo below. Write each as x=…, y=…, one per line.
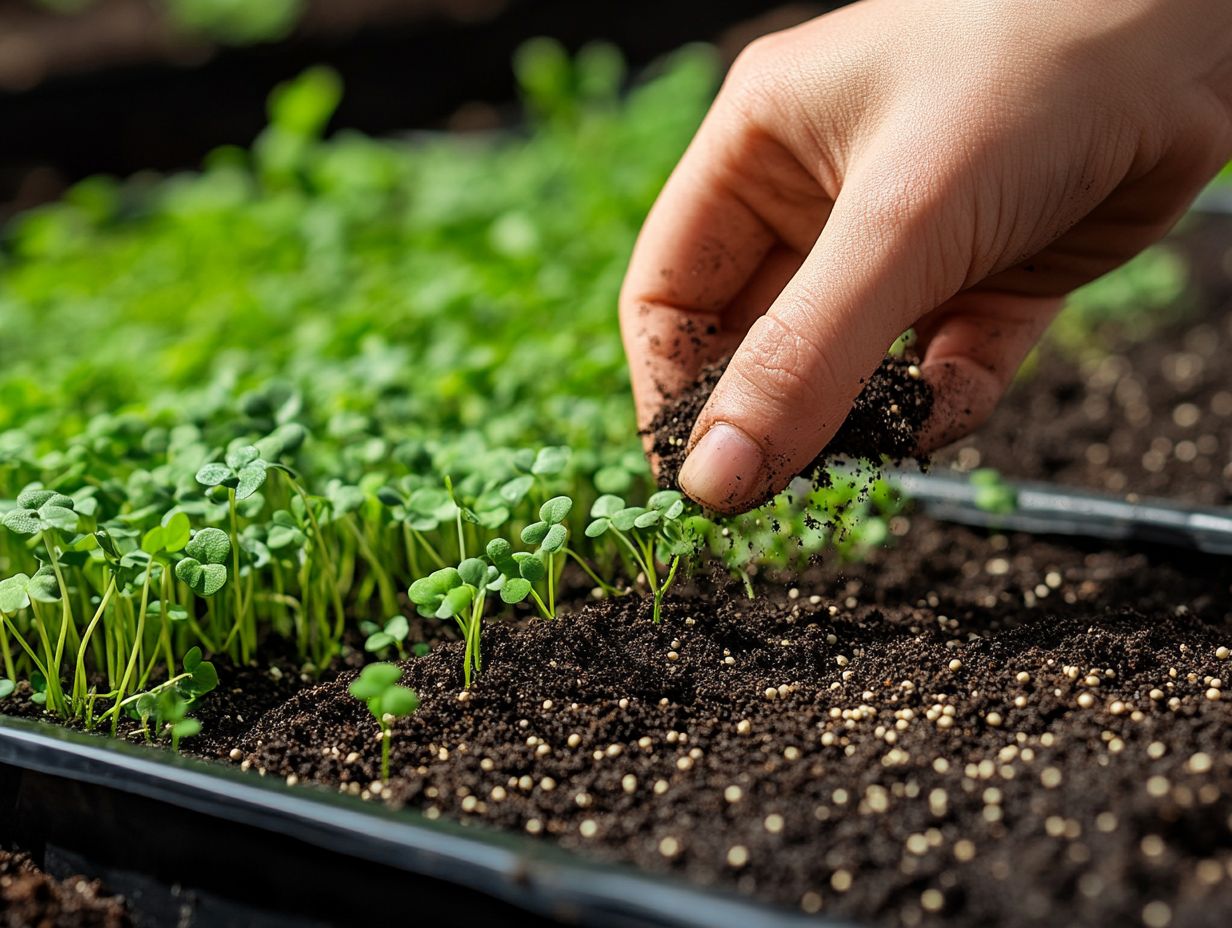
x=1151, y=416
x=962, y=731
x=884, y=421
x=29, y=898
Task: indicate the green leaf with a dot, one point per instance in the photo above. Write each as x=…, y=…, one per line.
x=598, y=527
x=379, y=641
x=186, y=728
x=14, y=594
x=251, y=479
x=515, y=590
x=473, y=571
x=60, y=517
x=153, y=541
x=427, y=590
x=204, y=679
x=455, y=601
x=515, y=490
x=663, y=499
x=6, y=687
x=217, y=475
x=239, y=458
x=202, y=579
x=550, y=461
x=398, y=628
x=177, y=531
x=606, y=505
x=34, y=499
x=374, y=680
x=626, y=518
x=399, y=701
x=531, y=568
x=23, y=521
x=555, y=539
x=192, y=659
x=535, y=532
x=209, y=546
x=43, y=586
x=555, y=510
x=647, y=519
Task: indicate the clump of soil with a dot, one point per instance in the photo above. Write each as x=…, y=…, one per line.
x=1035, y=733
x=885, y=420
x=29, y=898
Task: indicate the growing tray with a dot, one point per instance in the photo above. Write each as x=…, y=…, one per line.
x=1048, y=509
x=200, y=845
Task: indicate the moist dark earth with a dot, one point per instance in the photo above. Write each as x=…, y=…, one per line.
x=961, y=731
x=888, y=413
x=29, y=898
x=1150, y=416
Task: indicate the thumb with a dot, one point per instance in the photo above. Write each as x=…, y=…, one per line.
x=878, y=265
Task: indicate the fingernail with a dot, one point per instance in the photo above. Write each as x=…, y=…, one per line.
x=724, y=470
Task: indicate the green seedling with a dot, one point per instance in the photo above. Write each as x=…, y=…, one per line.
x=391, y=635
x=648, y=534
x=377, y=687
x=992, y=492
x=459, y=593
x=551, y=534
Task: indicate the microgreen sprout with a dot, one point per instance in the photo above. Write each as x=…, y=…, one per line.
x=377, y=687
x=992, y=492
x=390, y=635
x=648, y=534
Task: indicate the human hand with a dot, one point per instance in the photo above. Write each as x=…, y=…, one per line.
x=956, y=166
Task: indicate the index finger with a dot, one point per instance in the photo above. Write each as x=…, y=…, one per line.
x=698, y=249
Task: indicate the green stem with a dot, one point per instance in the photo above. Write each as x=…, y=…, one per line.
x=235, y=580
x=599, y=582
x=663, y=588
x=66, y=618
x=134, y=655
x=17, y=636
x=646, y=569
x=326, y=557
x=79, y=677
x=9, y=672
x=385, y=733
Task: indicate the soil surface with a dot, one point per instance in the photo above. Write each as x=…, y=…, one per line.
x=962, y=731
x=29, y=898
x=884, y=421
x=1149, y=416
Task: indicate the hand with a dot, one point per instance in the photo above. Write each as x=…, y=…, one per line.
x=957, y=167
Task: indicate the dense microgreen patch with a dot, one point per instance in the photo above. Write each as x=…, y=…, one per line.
x=282, y=396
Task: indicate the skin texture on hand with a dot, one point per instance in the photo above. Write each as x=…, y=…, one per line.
x=952, y=166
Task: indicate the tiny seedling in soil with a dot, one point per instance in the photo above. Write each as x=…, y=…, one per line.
x=377, y=687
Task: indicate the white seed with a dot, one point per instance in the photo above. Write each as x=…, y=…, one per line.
x=737, y=856
x=774, y=823
x=1200, y=763
x=956, y=664
x=1222, y=653
x=669, y=847
x=588, y=828
x=840, y=881
x=1156, y=915
x=733, y=793
x=628, y=783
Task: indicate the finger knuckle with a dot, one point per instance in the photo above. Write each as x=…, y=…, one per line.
x=786, y=367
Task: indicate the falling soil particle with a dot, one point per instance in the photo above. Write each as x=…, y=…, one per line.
x=884, y=421
x=29, y=898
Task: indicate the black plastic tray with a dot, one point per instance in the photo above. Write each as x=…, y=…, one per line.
x=1048, y=509
x=196, y=844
